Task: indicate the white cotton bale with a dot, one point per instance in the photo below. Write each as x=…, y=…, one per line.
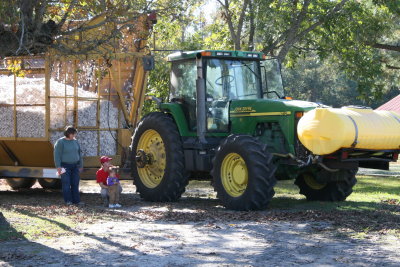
x=6, y=121
x=57, y=112
x=30, y=90
x=83, y=93
x=6, y=89
x=57, y=88
x=69, y=91
x=86, y=109
x=86, y=79
x=30, y=122
x=108, y=115
x=88, y=142
x=70, y=111
x=108, y=144
x=87, y=113
x=54, y=136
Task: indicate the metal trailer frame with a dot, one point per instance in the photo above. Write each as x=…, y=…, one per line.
x=17, y=154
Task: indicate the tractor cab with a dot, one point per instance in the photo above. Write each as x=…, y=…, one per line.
x=204, y=83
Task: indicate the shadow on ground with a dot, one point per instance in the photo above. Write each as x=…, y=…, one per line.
x=356, y=216
x=194, y=230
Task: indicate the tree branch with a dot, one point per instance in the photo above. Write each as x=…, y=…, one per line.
x=229, y=20
x=387, y=47
x=332, y=12
x=293, y=34
x=291, y=37
x=21, y=40
x=64, y=18
x=391, y=67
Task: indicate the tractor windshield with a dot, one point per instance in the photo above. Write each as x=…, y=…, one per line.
x=228, y=79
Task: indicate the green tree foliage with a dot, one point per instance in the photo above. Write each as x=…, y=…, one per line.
x=359, y=41
x=316, y=81
x=179, y=30
x=360, y=38
x=356, y=42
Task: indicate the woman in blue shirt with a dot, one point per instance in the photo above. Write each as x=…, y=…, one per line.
x=68, y=155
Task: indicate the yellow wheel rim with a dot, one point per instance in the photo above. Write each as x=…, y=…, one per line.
x=310, y=181
x=234, y=174
x=152, y=144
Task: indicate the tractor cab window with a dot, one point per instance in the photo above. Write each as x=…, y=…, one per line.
x=227, y=80
x=183, y=89
x=271, y=79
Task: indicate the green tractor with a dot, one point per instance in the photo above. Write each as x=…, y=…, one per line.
x=227, y=119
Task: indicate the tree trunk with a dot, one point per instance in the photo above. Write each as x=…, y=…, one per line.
x=236, y=35
x=252, y=26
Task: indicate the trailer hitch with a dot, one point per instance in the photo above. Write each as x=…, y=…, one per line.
x=311, y=160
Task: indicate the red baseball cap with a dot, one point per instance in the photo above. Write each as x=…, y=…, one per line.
x=104, y=159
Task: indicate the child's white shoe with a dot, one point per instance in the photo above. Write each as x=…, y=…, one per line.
x=117, y=205
x=111, y=206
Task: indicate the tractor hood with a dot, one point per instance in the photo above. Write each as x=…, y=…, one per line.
x=270, y=106
x=301, y=104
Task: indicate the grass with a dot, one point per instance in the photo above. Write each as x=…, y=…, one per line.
x=374, y=206
x=370, y=193
x=22, y=224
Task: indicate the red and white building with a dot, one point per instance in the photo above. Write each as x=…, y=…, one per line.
x=392, y=105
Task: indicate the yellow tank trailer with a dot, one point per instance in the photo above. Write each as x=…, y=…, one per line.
x=326, y=130
x=99, y=93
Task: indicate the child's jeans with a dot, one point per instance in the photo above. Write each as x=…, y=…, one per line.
x=104, y=192
x=113, y=192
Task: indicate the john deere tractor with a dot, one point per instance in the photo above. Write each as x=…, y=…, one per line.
x=227, y=119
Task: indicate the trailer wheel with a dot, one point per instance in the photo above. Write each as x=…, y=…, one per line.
x=243, y=173
x=158, y=164
x=20, y=183
x=50, y=183
x=329, y=191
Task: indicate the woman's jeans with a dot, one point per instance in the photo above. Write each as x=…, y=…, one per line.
x=70, y=183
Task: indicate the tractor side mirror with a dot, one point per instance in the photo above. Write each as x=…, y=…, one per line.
x=148, y=63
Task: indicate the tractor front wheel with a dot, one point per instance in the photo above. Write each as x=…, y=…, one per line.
x=327, y=191
x=20, y=183
x=243, y=173
x=158, y=164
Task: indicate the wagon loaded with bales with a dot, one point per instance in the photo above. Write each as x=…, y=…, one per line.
x=101, y=93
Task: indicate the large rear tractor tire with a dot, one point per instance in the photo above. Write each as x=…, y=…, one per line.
x=20, y=183
x=50, y=183
x=328, y=191
x=243, y=173
x=158, y=164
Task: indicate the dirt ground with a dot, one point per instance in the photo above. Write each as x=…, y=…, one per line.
x=193, y=231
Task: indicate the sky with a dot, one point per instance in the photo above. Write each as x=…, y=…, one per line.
x=209, y=9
